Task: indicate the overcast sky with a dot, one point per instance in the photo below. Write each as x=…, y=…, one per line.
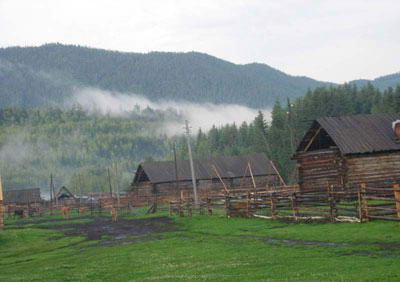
x=327, y=40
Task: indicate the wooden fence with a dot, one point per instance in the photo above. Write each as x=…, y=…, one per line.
x=361, y=203
x=96, y=207
x=358, y=204
x=379, y=203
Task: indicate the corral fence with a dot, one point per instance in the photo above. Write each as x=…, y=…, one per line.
x=379, y=203
x=101, y=206
x=358, y=204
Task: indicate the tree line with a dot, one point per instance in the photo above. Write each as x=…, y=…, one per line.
x=78, y=147
x=278, y=136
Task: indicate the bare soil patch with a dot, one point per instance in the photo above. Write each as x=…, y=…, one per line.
x=102, y=228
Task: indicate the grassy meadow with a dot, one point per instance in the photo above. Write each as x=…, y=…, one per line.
x=202, y=248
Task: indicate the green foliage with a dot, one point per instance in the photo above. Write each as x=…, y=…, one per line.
x=76, y=147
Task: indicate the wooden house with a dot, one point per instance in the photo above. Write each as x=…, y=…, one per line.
x=22, y=196
x=23, y=202
x=164, y=180
x=65, y=196
x=347, y=151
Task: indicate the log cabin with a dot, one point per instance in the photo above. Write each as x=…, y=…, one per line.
x=347, y=151
x=23, y=202
x=164, y=180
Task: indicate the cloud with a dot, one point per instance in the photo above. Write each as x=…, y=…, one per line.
x=202, y=116
x=16, y=151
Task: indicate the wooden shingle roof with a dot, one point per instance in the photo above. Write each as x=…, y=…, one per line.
x=227, y=167
x=357, y=134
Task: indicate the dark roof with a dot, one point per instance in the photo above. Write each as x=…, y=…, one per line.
x=64, y=193
x=357, y=134
x=22, y=196
x=227, y=167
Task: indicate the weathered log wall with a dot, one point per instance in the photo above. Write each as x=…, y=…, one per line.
x=379, y=170
x=320, y=168
x=146, y=192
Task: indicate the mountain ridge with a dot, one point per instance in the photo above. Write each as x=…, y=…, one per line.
x=48, y=74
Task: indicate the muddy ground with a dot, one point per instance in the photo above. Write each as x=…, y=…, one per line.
x=108, y=232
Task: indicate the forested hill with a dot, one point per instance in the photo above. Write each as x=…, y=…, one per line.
x=33, y=76
x=381, y=83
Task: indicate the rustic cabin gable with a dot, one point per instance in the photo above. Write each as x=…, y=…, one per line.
x=346, y=151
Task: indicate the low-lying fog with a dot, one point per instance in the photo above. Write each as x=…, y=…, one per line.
x=202, y=116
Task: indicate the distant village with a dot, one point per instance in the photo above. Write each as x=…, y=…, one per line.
x=345, y=159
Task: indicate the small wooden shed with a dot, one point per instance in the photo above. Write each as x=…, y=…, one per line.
x=23, y=202
x=349, y=150
x=22, y=196
x=65, y=195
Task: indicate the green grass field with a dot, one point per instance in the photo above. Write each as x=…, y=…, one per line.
x=204, y=248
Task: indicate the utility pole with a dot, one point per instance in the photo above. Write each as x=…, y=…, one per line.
x=109, y=182
x=80, y=188
x=54, y=191
x=51, y=194
x=176, y=169
x=2, y=207
x=117, y=185
x=196, y=201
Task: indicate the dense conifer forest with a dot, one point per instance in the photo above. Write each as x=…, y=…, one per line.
x=77, y=147
x=50, y=74
x=279, y=137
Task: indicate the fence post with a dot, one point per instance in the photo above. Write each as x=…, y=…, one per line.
x=294, y=206
x=209, y=208
x=332, y=203
x=201, y=206
x=100, y=207
x=189, y=208
x=273, y=206
x=181, y=208
x=248, y=204
x=396, y=189
x=227, y=205
x=362, y=203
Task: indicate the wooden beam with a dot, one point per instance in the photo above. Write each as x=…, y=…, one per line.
x=251, y=174
x=312, y=139
x=220, y=179
x=279, y=175
x=396, y=189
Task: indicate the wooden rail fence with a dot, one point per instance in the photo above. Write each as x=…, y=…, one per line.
x=359, y=204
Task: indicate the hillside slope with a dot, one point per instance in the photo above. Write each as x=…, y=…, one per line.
x=382, y=82
x=32, y=76
x=48, y=74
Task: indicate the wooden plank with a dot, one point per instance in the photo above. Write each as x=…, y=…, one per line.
x=396, y=189
x=384, y=217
